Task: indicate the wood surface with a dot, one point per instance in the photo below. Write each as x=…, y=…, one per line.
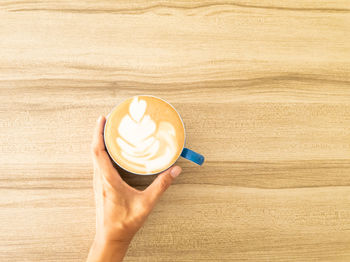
x=264, y=91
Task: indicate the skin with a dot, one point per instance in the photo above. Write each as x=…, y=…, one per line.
x=121, y=210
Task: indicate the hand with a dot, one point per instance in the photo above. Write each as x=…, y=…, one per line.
x=120, y=209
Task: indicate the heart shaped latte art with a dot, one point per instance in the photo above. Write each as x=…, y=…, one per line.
x=145, y=144
x=137, y=109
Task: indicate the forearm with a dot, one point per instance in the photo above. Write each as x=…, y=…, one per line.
x=112, y=251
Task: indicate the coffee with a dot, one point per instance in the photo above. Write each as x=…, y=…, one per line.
x=144, y=135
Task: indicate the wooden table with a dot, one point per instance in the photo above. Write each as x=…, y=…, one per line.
x=264, y=91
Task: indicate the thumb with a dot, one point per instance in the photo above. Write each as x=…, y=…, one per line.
x=161, y=183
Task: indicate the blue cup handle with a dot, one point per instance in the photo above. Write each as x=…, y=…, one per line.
x=192, y=156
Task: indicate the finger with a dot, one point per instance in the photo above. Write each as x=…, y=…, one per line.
x=99, y=153
x=102, y=162
x=97, y=139
x=154, y=191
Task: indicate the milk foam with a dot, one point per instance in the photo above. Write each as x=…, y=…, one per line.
x=145, y=145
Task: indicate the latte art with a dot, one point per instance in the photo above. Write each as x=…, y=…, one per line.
x=144, y=135
x=144, y=143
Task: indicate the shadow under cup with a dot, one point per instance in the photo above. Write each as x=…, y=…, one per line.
x=134, y=119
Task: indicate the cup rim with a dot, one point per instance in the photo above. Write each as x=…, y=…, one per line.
x=172, y=163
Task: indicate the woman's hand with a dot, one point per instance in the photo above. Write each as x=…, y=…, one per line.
x=120, y=209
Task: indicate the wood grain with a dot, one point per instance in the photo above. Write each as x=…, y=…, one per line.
x=264, y=91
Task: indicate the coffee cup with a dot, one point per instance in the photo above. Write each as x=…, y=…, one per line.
x=145, y=135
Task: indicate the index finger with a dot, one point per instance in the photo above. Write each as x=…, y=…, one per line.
x=99, y=153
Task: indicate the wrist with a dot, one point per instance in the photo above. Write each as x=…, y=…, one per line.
x=103, y=250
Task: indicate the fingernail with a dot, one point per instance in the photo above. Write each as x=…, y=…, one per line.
x=99, y=119
x=175, y=171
